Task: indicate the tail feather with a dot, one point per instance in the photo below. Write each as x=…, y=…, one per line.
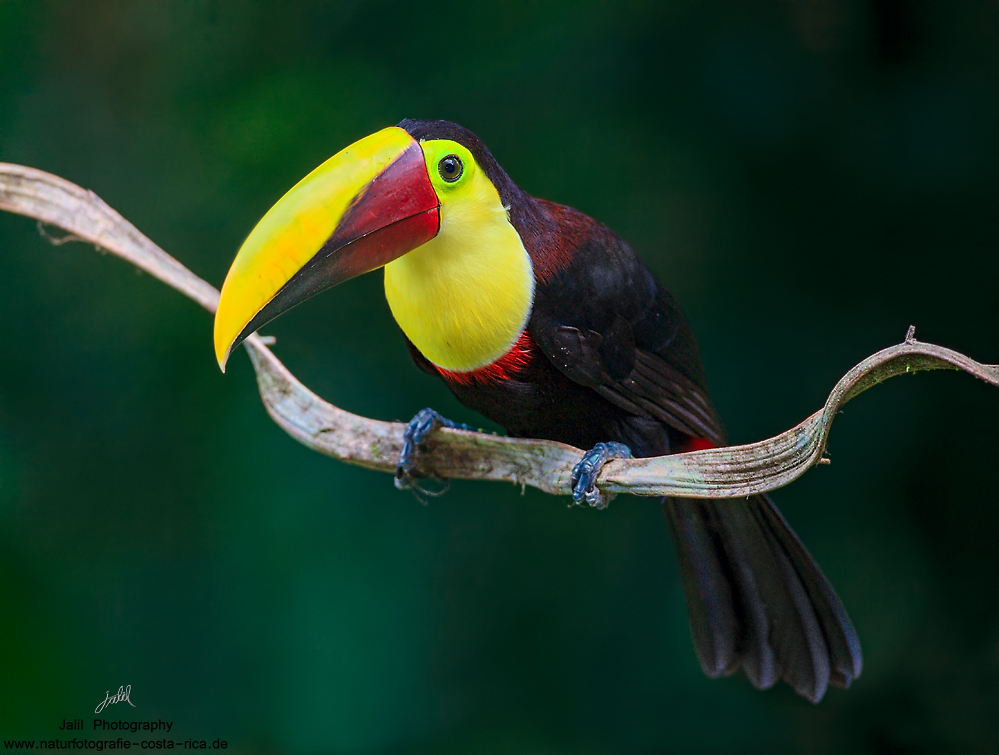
x=757, y=600
x=844, y=645
x=714, y=623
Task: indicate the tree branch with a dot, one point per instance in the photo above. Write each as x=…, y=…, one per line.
x=731, y=472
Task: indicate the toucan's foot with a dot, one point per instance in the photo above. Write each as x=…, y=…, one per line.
x=585, y=473
x=424, y=423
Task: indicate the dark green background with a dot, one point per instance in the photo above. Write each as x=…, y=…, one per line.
x=808, y=178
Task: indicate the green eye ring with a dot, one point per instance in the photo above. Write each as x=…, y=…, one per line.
x=450, y=168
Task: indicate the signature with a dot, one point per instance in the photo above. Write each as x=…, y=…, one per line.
x=124, y=694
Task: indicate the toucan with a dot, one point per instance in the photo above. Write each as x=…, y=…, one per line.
x=546, y=322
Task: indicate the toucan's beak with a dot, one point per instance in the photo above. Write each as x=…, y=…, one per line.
x=362, y=208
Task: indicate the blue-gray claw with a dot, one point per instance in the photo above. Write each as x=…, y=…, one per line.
x=585, y=473
x=424, y=423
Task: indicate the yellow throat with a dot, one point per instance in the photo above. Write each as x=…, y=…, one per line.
x=465, y=296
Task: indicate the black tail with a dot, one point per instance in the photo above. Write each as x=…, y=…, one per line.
x=758, y=600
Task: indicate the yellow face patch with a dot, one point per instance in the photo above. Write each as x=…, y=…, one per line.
x=464, y=297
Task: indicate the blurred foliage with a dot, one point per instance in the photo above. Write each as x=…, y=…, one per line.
x=808, y=178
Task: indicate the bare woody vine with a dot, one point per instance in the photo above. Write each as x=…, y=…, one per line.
x=731, y=472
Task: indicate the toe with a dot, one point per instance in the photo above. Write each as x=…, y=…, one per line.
x=585, y=473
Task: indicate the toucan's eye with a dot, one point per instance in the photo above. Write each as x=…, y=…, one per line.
x=450, y=168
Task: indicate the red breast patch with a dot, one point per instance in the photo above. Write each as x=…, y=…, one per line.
x=506, y=367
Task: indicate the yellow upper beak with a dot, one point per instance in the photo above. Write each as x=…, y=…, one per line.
x=365, y=206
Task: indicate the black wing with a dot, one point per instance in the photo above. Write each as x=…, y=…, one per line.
x=604, y=322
